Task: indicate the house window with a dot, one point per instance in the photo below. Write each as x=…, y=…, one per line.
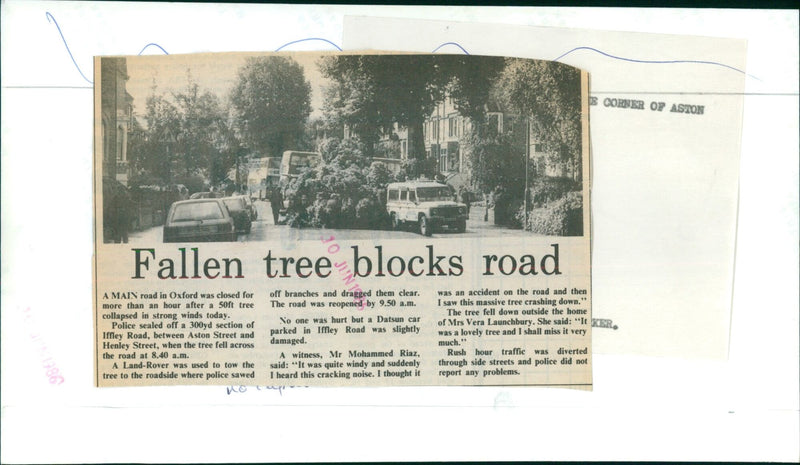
x=492, y=124
x=119, y=143
x=106, y=149
x=452, y=130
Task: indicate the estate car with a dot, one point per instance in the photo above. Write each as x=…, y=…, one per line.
x=200, y=220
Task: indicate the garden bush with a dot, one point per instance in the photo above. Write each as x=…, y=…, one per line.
x=561, y=217
x=549, y=189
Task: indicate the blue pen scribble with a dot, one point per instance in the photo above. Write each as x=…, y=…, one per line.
x=307, y=40
x=451, y=43
x=51, y=18
x=151, y=44
x=242, y=389
x=632, y=60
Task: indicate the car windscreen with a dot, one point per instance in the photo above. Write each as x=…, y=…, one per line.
x=196, y=211
x=427, y=194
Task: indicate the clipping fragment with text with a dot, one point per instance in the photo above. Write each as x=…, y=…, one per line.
x=341, y=220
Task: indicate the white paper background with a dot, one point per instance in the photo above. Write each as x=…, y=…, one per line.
x=745, y=408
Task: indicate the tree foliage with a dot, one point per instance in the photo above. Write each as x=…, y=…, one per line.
x=203, y=136
x=371, y=93
x=562, y=217
x=348, y=191
x=497, y=168
x=549, y=94
x=271, y=101
x=494, y=161
x=186, y=135
x=471, y=80
x=152, y=149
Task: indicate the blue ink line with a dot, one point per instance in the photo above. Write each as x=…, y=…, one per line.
x=451, y=43
x=623, y=58
x=152, y=44
x=699, y=62
x=51, y=18
x=306, y=40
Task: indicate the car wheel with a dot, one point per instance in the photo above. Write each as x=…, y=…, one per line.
x=462, y=226
x=424, y=225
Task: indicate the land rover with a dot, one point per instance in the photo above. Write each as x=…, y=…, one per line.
x=428, y=205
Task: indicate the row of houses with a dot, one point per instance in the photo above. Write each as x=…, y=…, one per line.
x=116, y=116
x=444, y=132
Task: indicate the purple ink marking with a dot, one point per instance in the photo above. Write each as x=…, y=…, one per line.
x=51, y=370
x=347, y=273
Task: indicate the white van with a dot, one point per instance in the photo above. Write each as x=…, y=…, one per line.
x=428, y=205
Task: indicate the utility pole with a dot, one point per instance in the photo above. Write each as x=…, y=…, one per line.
x=527, y=158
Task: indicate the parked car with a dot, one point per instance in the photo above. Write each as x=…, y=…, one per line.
x=240, y=213
x=200, y=220
x=206, y=195
x=251, y=207
x=428, y=205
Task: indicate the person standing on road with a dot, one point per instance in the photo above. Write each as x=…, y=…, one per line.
x=276, y=203
x=464, y=194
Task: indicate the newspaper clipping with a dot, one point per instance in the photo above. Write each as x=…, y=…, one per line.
x=324, y=219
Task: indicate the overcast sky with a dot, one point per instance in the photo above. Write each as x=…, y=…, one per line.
x=213, y=72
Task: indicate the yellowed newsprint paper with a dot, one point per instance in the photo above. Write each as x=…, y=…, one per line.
x=347, y=219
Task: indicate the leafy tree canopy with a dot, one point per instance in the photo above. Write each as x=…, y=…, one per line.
x=370, y=93
x=271, y=101
x=185, y=135
x=549, y=94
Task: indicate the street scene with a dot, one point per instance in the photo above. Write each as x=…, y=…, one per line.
x=241, y=147
x=264, y=229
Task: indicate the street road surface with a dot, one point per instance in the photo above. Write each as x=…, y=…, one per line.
x=264, y=229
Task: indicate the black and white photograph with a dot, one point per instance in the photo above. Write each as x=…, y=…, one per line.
x=251, y=147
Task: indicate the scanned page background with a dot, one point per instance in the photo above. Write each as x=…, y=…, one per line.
x=744, y=408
